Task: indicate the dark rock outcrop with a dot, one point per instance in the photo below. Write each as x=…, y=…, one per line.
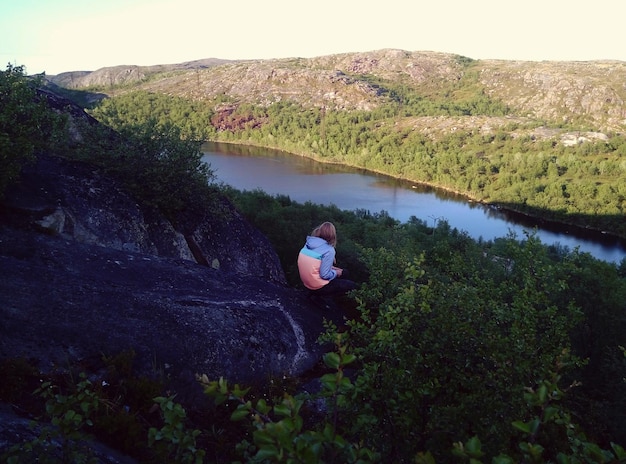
x=84, y=271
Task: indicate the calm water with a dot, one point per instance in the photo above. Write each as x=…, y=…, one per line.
x=249, y=168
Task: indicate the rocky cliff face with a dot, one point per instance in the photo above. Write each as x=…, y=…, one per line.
x=85, y=271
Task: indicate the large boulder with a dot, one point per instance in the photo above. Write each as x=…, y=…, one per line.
x=84, y=271
x=63, y=301
x=76, y=201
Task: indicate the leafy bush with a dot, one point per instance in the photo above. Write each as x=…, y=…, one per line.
x=278, y=431
x=155, y=163
x=165, y=171
x=160, y=163
x=173, y=441
x=70, y=416
x=26, y=123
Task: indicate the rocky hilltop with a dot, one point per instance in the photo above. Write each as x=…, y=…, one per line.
x=126, y=74
x=590, y=95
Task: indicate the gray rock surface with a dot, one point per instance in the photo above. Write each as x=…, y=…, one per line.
x=85, y=272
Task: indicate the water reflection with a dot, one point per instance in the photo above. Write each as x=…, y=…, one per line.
x=302, y=179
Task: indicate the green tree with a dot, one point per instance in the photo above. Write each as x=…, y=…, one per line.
x=164, y=170
x=26, y=123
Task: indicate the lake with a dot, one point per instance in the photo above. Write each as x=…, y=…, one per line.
x=302, y=179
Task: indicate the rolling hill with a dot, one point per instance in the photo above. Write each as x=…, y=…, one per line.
x=585, y=96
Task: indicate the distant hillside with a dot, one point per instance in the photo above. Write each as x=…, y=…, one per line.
x=120, y=75
x=586, y=96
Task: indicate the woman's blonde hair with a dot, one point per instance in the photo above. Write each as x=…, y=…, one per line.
x=327, y=231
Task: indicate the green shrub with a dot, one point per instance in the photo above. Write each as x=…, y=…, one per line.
x=26, y=123
x=64, y=439
x=173, y=442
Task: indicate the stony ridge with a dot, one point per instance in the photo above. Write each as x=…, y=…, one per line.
x=590, y=95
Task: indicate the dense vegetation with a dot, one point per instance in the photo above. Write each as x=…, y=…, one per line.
x=505, y=351
x=452, y=330
x=580, y=184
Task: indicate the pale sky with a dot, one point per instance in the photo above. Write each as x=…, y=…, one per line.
x=84, y=35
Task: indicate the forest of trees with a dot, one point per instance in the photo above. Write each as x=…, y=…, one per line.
x=455, y=350
x=581, y=184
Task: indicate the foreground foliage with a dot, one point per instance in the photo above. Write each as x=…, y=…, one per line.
x=280, y=434
x=452, y=331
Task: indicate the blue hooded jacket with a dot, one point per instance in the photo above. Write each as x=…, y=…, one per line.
x=315, y=262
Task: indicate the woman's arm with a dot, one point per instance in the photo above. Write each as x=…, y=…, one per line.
x=327, y=270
